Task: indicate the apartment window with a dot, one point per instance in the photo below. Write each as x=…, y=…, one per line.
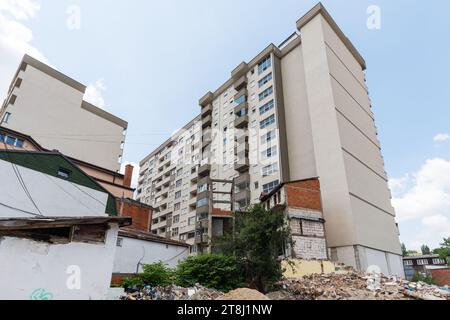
x=268, y=106
x=179, y=172
x=242, y=112
x=265, y=93
x=269, y=136
x=191, y=221
x=265, y=80
x=241, y=99
x=267, y=188
x=191, y=235
x=203, y=188
x=264, y=65
x=178, y=195
x=422, y=262
x=175, y=232
x=202, y=202
x=119, y=242
x=269, y=152
x=267, y=122
x=176, y=219
x=177, y=206
x=6, y=117
x=270, y=170
x=179, y=183
x=256, y=185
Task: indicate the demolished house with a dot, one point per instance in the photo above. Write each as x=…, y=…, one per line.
x=300, y=202
x=58, y=229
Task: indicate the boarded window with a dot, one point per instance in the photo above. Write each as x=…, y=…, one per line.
x=90, y=233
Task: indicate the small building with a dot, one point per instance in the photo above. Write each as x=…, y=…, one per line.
x=58, y=229
x=300, y=201
x=136, y=248
x=140, y=213
x=422, y=264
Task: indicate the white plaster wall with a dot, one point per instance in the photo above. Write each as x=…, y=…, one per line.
x=54, y=197
x=346, y=255
x=396, y=264
x=134, y=252
x=50, y=111
x=27, y=266
x=302, y=164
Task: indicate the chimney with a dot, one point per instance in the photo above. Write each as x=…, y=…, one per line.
x=128, y=175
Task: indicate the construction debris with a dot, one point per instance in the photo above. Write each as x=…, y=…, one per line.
x=353, y=285
x=243, y=294
x=172, y=293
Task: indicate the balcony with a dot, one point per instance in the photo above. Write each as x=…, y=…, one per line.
x=242, y=92
x=241, y=83
x=206, y=121
x=206, y=110
x=207, y=139
x=242, y=148
x=239, y=71
x=243, y=195
x=240, y=107
x=201, y=239
x=243, y=179
x=204, y=170
x=242, y=165
x=203, y=210
x=202, y=224
x=206, y=99
x=241, y=122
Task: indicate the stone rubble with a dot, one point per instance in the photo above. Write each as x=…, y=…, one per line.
x=353, y=285
x=172, y=292
x=347, y=284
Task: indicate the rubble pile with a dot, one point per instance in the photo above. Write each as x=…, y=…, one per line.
x=243, y=294
x=352, y=285
x=172, y=293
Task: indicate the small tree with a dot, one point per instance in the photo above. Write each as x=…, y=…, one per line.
x=257, y=241
x=444, y=250
x=425, y=250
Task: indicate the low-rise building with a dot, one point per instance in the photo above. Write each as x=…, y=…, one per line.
x=421, y=264
x=137, y=248
x=58, y=229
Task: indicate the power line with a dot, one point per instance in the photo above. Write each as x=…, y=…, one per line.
x=21, y=181
x=20, y=210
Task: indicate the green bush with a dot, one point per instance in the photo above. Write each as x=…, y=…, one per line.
x=155, y=274
x=423, y=278
x=213, y=271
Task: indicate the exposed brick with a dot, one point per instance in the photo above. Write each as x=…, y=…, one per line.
x=304, y=194
x=441, y=276
x=140, y=213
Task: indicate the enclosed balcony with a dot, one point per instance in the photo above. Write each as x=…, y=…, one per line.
x=204, y=170
x=206, y=110
x=241, y=122
x=242, y=195
x=241, y=83
x=242, y=165
x=206, y=121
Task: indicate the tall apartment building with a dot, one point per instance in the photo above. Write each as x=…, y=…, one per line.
x=295, y=111
x=48, y=105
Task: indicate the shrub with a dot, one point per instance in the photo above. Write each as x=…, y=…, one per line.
x=155, y=274
x=419, y=277
x=213, y=271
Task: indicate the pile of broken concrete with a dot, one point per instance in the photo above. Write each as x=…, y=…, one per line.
x=353, y=285
x=342, y=285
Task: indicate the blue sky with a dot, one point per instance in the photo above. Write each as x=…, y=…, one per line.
x=150, y=62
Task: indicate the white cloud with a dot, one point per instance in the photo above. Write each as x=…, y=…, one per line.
x=423, y=198
x=15, y=37
x=137, y=168
x=442, y=137
x=94, y=93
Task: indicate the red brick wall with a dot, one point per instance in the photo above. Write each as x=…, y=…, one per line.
x=140, y=213
x=304, y=194
x=442, y=276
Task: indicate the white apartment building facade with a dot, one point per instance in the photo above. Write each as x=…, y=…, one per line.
x=48, y=106
x=296, y=111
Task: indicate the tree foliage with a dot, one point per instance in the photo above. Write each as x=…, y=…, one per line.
x=155, y=274
x=214, y=271
x=444, y=250
x=257, y=241
x=425, y=250
x=404, y=250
